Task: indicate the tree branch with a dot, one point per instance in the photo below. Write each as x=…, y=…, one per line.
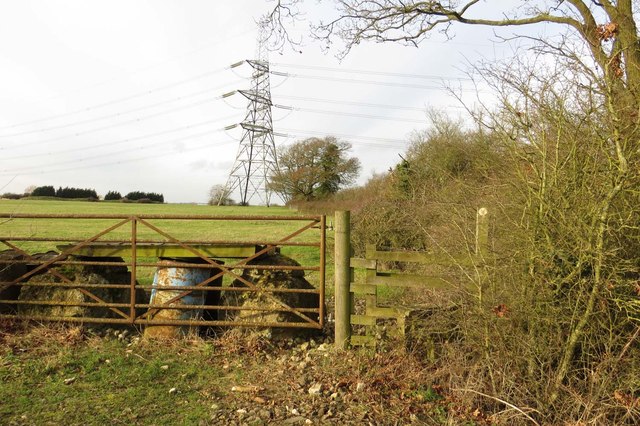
x=411, y=22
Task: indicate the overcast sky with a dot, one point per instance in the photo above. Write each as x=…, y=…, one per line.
x=125, y=95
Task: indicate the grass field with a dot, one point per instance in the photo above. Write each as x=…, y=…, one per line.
x=210, y=230
x=218, y=230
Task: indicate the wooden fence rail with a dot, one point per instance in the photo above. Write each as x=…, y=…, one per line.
x=347, y=290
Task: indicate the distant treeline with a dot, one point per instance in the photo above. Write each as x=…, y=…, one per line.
x=66, y=192
x=89, y=194
x=135, y=196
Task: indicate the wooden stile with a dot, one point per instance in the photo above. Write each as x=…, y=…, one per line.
x=375, y=279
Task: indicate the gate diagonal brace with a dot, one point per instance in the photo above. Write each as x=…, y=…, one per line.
x=229, y=270
x=63, y=256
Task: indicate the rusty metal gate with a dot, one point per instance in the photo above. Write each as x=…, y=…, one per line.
x=69, y=284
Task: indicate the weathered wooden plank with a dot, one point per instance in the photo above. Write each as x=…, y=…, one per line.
x=363, y=340
x=370, y=302
x=382, y=312
x=409, y=281
x=385, y=312
x=363, y=289
x=370, y=251
x=401, y=324
x=163, y=250
x=357, y=262
x=370, y=273
x=395, y=332
x=363, y=320
x=422, y=257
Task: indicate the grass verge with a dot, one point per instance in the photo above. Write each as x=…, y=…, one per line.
x=58, y=374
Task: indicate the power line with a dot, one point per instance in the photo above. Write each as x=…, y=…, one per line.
x=357, y=142
x=377, y=142
x=121, y=113
x=350, y=114
x=361, y=81
x=131, y=121
x=126, y=98
x=365, y=104
x=353, y=139
x=128, y=160
x=370, y=72
x=343, y=135
x=205, y=46
x=112, y=153
x=121, y=141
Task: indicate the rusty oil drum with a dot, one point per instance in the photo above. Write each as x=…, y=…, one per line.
x=171, y=276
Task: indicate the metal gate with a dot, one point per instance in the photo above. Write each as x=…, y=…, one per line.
x=69, y=284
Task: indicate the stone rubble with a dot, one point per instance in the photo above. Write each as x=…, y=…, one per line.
x=315, y=403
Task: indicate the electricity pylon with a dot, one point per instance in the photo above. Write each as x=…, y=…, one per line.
x=256, y=160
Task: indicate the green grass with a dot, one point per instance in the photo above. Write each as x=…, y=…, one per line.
x=215, y=230
x=78, y=228
x=111, y=384
x=108, y=207
x=239, y=230
x=114, y=382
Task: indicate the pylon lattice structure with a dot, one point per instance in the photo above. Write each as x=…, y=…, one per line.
x=256, y=160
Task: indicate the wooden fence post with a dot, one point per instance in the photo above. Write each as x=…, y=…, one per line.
x=342, y=279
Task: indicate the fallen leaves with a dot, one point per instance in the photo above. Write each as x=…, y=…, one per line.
x=500, y=310
x=625, y=399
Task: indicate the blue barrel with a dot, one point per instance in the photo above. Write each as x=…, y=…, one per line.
x=171, y=276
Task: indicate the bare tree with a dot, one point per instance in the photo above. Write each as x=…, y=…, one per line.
x=607, y=28
x=219, y=196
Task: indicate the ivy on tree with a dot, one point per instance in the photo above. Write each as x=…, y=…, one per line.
x=313, y=169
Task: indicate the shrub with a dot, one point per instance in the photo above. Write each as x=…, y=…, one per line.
x=11, y=196
x=218, y=195
x=44, y=191
x=139, y=195
x=443, y=178
x=112, y=195
x=67, y=192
